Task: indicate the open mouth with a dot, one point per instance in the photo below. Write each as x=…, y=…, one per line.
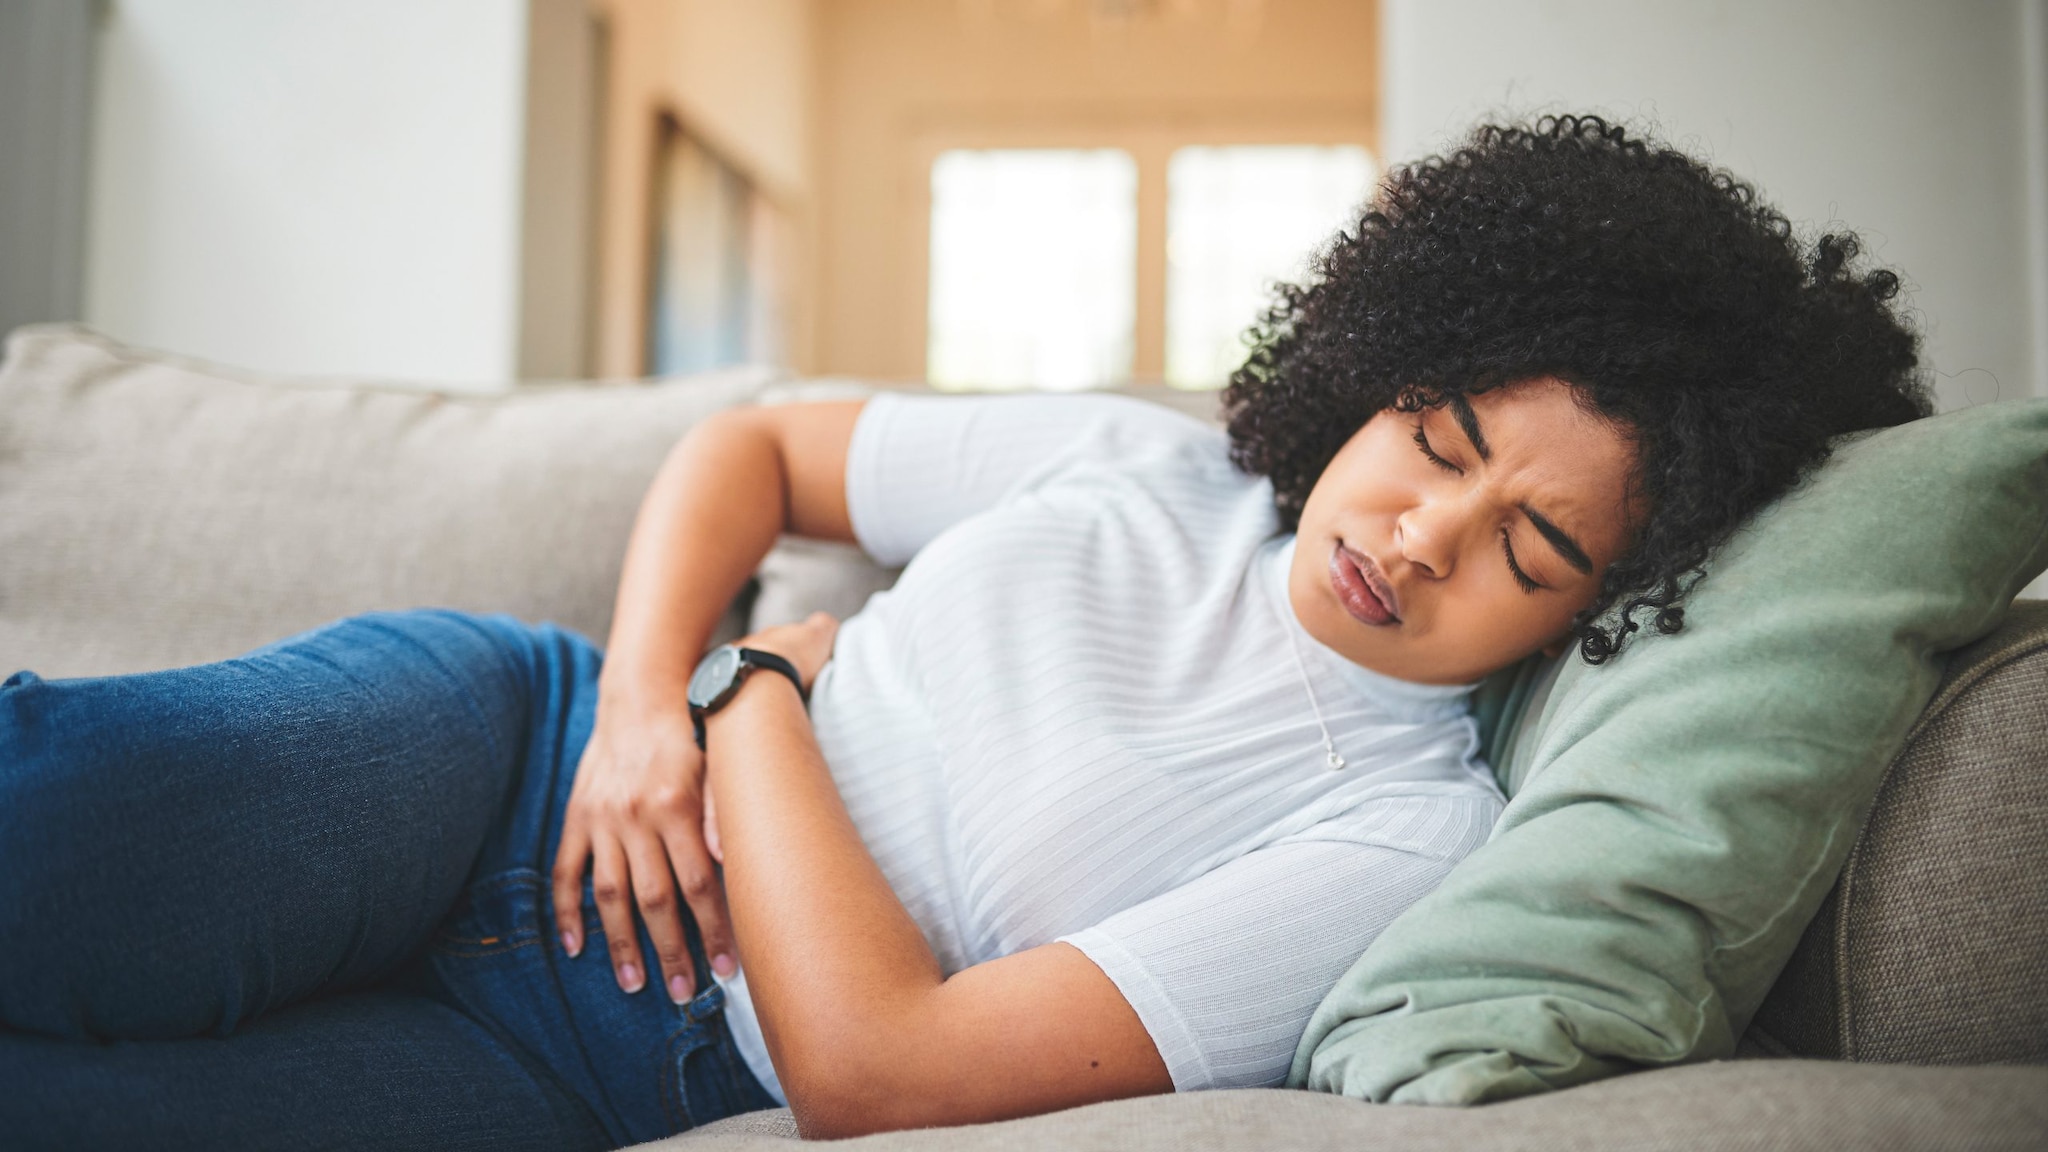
x=1362, y=588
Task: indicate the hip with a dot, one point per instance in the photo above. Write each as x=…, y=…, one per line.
x=648, y=1067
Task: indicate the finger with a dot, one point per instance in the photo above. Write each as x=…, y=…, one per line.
x=570, y=860
x=610, y=882
x=654, y=890
x=706, y=897
x=711, y=843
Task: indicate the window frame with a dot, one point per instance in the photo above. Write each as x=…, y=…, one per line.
x=1151, y=137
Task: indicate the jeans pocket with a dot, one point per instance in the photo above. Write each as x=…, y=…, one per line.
x=496, y=915
x=647, y=1067
x=492, y=958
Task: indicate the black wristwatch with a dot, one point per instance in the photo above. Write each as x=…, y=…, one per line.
x=719, y=676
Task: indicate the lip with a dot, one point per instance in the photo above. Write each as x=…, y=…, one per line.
x=1362, y=588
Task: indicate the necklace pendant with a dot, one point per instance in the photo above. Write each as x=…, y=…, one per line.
x=1335, y=761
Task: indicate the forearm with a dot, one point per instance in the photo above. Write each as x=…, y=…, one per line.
x=836, y=966
x=713, y=511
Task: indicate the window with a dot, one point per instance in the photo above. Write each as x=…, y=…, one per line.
x=1035, y=277
x=1033, y=268
x=1238, y=219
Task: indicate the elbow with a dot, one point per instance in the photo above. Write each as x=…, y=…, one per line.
x=835, y=1099
x=830, y=1111
x=813, y=1123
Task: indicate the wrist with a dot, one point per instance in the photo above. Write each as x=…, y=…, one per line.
x=762, y=692
x=641, y=702
x=648, y=681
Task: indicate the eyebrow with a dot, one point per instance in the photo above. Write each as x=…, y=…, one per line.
x=1560, y=540
x=1469, y=421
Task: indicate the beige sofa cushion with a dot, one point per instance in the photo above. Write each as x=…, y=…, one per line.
x=157, y=512
x=1933, y=946
x=1743, y=1106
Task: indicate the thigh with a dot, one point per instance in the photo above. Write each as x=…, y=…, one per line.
x=366, y=1070
x=182, y=850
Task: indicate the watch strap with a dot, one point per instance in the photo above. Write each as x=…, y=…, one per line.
x=750, y=659
x=755, y=658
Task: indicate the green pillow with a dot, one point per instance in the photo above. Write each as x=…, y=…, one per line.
x=1682, y=810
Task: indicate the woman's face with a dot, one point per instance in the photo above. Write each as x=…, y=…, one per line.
x=1439, y=546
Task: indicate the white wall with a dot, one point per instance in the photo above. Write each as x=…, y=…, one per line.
x=1908, y=120
x=311, y=187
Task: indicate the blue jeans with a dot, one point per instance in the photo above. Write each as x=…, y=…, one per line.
x=299, y=899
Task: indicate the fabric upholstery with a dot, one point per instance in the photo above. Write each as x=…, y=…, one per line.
x=156, y=512
x=1688, y=805
x=1933, y=946
x=1739, y=1106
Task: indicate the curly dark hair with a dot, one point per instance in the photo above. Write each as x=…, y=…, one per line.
x=1675, y=301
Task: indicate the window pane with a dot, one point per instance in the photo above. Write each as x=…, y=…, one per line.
x=1033, y=275
x=1238, y=219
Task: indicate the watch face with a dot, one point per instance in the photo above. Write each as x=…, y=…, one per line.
x=714, y=675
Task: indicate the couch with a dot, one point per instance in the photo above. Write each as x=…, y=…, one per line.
x=156, y=511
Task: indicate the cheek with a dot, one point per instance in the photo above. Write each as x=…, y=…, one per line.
x=1370, y=476
x=1491, y=611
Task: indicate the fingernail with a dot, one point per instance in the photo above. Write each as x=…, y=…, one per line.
x=678, y=990
x=723, y=965
x=629, y=977
x=569, y=944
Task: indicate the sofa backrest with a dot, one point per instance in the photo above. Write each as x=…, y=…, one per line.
x=156, y=511
x=1933, y=946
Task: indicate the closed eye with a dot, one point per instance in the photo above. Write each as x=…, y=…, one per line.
x=1507, y=547
x=1422, y=442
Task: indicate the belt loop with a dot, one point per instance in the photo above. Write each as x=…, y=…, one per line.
x=706, y=1004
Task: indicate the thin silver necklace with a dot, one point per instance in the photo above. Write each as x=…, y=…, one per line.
x=1331, y=758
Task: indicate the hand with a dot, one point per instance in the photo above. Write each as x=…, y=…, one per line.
x=806, y=644
x=637, y=817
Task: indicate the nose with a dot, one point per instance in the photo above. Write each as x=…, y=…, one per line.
x=1429, y=535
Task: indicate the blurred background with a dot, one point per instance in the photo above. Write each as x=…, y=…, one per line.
x=993, y=193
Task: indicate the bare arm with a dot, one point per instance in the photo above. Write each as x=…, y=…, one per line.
x=727, y=490
x=865, y=1032
x=635, y=817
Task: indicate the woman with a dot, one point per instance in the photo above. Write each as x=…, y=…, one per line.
x=1156, y=732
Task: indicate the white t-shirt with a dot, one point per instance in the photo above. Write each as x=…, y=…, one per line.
x=1078, y=716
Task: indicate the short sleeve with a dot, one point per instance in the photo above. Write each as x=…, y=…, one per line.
x=919, y=464
x=1225, y=971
